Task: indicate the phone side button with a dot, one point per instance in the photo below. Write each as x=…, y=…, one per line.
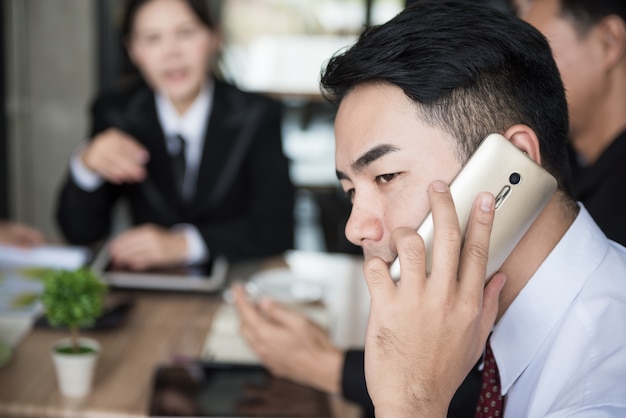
x=501, y=197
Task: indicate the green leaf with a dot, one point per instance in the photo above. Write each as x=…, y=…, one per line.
x=73, y=298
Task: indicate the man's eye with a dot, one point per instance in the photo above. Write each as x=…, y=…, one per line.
x=385, y=178
x=350, y=195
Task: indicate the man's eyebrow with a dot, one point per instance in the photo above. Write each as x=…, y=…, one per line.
x=372, y=155
x=366, y=159
x=341, y=175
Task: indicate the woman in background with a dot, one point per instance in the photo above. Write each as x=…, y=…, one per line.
x=199, y=161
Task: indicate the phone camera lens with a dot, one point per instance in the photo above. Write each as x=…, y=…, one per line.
x=515, y=178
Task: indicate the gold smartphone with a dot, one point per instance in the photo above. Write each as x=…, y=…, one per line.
x=522, y=189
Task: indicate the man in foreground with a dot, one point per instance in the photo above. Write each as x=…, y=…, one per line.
x=416, y=96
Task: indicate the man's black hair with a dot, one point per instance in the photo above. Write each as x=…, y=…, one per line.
x=502, y=5
x=471, y=70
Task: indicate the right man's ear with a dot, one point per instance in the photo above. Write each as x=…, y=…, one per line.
x=524, y=138
x=611, y=34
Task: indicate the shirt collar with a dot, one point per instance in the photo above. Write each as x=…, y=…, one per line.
x=526, y=324
x=192, y=124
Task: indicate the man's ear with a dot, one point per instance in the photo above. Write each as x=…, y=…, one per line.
x=612, y=35
x=524, y=138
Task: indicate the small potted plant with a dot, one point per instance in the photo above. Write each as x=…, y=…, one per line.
x=74, y=299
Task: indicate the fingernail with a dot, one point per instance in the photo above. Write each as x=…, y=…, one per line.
x=439, y=186
x=486, y=203
x=503, y=281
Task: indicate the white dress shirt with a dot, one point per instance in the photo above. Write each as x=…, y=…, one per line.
x=561, y=345
x=192, y=127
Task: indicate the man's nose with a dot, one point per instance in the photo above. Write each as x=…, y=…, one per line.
x=363, y=225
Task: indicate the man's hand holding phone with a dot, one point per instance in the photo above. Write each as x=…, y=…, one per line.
x=426, y=332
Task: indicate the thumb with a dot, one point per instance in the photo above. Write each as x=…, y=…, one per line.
x=276, y=312
x=296, y=322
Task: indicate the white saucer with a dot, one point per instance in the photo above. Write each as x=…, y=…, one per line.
x=282, y=286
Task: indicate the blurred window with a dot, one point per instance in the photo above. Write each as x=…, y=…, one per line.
x=279, y=46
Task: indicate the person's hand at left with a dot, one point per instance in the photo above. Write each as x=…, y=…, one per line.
x=19, y=235
x=289, y=344
x=148, y=246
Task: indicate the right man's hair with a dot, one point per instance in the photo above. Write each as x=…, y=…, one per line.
x=471, y=71
x=586, y=13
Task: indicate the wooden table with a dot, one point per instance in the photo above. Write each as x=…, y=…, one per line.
x=159, y=327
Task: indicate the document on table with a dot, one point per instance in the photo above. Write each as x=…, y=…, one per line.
x=45, y=256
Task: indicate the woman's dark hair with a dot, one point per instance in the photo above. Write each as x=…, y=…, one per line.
x=131, y=7
x=470, y=70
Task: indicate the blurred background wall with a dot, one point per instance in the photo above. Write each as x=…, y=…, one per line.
x=57, y=55
x=50, y=73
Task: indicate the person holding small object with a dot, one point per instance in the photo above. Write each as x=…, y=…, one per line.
x=199, y=161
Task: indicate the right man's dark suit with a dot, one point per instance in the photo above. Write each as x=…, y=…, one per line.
x=600, y=187
x=243, y=205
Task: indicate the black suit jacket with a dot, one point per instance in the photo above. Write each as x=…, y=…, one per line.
x=243, y=205
x=600, y=187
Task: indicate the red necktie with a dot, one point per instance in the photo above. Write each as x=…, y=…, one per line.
x=491, y=401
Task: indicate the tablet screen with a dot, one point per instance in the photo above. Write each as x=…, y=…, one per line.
x=210, y=277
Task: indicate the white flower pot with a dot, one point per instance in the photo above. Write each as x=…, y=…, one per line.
x=75, y=371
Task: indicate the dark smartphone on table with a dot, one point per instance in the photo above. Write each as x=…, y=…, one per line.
x=211, y=389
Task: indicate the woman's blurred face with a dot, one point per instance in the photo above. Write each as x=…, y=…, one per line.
x=172, y=48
